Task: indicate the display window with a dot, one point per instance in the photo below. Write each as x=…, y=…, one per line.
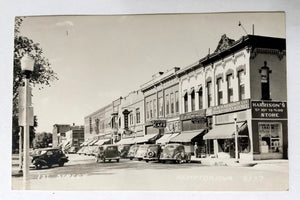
x=270, y=135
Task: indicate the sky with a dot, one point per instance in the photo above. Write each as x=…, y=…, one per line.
x=100, y=58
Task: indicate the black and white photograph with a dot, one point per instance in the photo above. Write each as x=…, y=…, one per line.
x=149, y=103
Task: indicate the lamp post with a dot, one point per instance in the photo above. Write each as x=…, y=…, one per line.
x=26, y=113
x=236, y=138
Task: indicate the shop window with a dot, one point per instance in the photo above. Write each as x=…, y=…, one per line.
x=229, y=88
x=176, y=102
x=161, y=107
x=185, y=99
x=209, y=94
x=200, y=98
x=270, y=137
x=220, y=92
x=138, y=115
x=193, y=100
x=172, y=102
x=241, y=77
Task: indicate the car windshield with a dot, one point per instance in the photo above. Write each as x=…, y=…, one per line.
x=152, y=148
x=111, y=148
x=171, y=147
x=143, y=147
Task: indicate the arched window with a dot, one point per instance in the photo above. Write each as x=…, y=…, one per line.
x=185, y=100
x=200, y=98
x=209, y=93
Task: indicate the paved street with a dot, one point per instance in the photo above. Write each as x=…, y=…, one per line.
x=82, y=173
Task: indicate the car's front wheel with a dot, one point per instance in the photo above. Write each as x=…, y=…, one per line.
x=38, y=165
x=61, y=163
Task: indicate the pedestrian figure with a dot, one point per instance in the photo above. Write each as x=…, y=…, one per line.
x=196, y=149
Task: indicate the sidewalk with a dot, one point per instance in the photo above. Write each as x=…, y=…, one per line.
x=231, y=162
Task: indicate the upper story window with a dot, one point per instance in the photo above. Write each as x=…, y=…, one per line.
x=200, y=98
x=185, y=100
x=176, y=102
x=161, y=107
x=147, y=110
x=193, y=99
x=167, y=104
x=220, y=92
x=138, y=116
x=229, y=88
x=151, y=109
x=209, y=94
x=130, y=118
x=241, y=79
x=172, y=102
x=154, y=107
x=90, y=124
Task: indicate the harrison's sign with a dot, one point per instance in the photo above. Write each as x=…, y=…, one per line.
x=269, y=109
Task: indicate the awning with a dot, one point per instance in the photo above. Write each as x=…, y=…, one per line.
x=226, y=131
x=86, y=142
x=100, y=142
x=92, y=142
x=144, y=139
x=166, y=138
x=187, y=136
x=126, y=141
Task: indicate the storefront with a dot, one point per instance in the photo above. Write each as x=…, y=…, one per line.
x=172, y=129
x=193, y=127
x=270, y=129
x=261, y=128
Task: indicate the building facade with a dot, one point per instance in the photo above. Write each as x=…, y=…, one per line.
x=240, y=87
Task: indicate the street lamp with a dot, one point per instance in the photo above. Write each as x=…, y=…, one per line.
x=26, y=112
x=235, y=137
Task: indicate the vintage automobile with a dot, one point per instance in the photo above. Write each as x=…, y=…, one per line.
x=107, y=152
x=141, y=152
x=176, y=153
x=48, y=157
x=153, y=153
x=124, y=149
x=132, y=151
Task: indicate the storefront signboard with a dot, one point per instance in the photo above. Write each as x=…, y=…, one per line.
x=269, y=109
x=193, y=115
x=173, y=126
x=231, y=107
x=159, y=123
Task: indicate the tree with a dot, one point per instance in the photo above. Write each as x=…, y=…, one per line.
x=41, y=76
x=42, y=140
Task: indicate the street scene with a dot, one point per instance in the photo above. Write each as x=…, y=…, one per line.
x=83, y=173
x=189, y=102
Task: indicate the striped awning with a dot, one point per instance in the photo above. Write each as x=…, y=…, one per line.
x=226, y=131
x=187, y=136
x=166, y=138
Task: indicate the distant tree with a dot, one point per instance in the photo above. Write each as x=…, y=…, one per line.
x=42, y=74
x=42, y=140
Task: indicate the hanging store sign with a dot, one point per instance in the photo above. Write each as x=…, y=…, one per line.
x=231, y=107
x=173, y=126
x=269, y=109
x=159, y=123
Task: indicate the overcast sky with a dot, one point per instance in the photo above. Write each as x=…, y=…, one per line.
x=100, y=58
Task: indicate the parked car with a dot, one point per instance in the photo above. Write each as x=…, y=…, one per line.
x=132, y=151
x=48, y=157
x=141, y=152
x=153, y=152
x=176, y=153
x=107, y=152
x=124, y=149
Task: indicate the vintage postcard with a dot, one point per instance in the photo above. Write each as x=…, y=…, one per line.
x=160, y=102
